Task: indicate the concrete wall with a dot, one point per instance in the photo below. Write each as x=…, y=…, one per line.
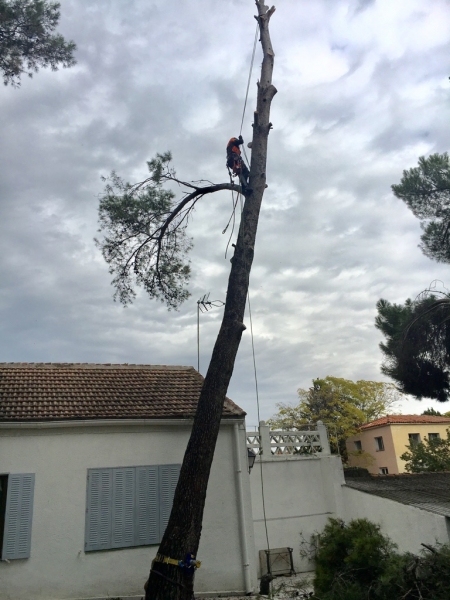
x=300, y=494
x=58, y=567
x=406, y=525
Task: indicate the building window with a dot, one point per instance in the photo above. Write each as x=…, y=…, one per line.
x=358, y=446
x=16, y=512
x=128, y=506
x=434, y=436
x=379, y=445
x=414, y=439
x=384, y=471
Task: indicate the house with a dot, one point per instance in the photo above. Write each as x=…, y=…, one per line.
x=380, y=443
x=412, y=509
x=89, y=460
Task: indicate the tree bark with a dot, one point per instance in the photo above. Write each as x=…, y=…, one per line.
x=182, y=535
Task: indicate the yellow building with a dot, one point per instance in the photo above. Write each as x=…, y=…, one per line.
x=379, y=444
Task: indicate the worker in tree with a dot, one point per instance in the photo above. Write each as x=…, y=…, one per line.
x=235, y=162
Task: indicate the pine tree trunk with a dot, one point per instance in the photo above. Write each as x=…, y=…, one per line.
x=182, y=535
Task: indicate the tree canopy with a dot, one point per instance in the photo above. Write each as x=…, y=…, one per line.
x=431, y=455
x=144, y=237
x=417, y=346
x=145, y=241
x=27, y=41
x=343, y=405
x=426, y=191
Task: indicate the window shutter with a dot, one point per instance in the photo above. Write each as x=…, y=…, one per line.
x=147, y=521
x=168, y=479
x=18, y=516
x=98, y=511
x=123, y=507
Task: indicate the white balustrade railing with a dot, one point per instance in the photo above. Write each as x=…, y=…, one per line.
x=274, y=444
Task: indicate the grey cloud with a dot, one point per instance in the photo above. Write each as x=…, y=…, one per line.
x=332, y=238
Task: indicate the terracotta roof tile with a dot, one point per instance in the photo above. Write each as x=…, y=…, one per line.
x=399, y=419
x=65, y=391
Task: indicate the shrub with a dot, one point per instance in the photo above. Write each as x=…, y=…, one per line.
x=357, y=562
x=349, y=559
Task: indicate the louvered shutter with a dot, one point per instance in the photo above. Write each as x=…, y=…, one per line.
x=147, y=520
x=168, y=479
x=98, y=509
x=18, y=516
x=123, y=509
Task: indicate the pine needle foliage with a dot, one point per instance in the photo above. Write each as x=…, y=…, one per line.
x=417, y=346
x=426, y=191
x=142, y=244
x=27, y=41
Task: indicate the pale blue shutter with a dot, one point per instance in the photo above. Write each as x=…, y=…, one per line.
x=98, y=509
x=168, y=479
x=123, y=518
x=18, y=516
x=147, y=517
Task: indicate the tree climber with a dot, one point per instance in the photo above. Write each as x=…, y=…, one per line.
x=235, y=162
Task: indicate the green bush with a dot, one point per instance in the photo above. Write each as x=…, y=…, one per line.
x=357, y=562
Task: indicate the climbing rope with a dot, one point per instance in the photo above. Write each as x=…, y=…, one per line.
x=256, y=390
x=248, y=290
x=233, y=214
x=240, y=132
x=249, y=77
x=246, y=93
x=239, y=197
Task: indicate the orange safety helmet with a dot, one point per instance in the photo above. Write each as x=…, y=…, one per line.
x=233, y=146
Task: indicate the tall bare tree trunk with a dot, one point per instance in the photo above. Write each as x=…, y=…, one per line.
x=182, y=535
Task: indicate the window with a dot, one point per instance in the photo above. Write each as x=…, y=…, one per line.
x=434, y=436
x=414, y=439
x=384, y=471
x=128, y=506
x=379, y=444
x=358, y=446
x=16, y=512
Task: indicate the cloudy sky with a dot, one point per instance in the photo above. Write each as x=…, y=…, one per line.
x=363, y=91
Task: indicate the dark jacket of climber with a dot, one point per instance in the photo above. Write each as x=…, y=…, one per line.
x=234, y=160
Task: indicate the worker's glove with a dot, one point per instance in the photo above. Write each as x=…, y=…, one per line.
x=241, y=141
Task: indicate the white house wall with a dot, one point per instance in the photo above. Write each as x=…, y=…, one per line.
x=58, y=567
x=300, y=495
x=406, y=525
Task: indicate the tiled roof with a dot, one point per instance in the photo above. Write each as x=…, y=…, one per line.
x=64, y=391
x=399, y=419
x=428, y=491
